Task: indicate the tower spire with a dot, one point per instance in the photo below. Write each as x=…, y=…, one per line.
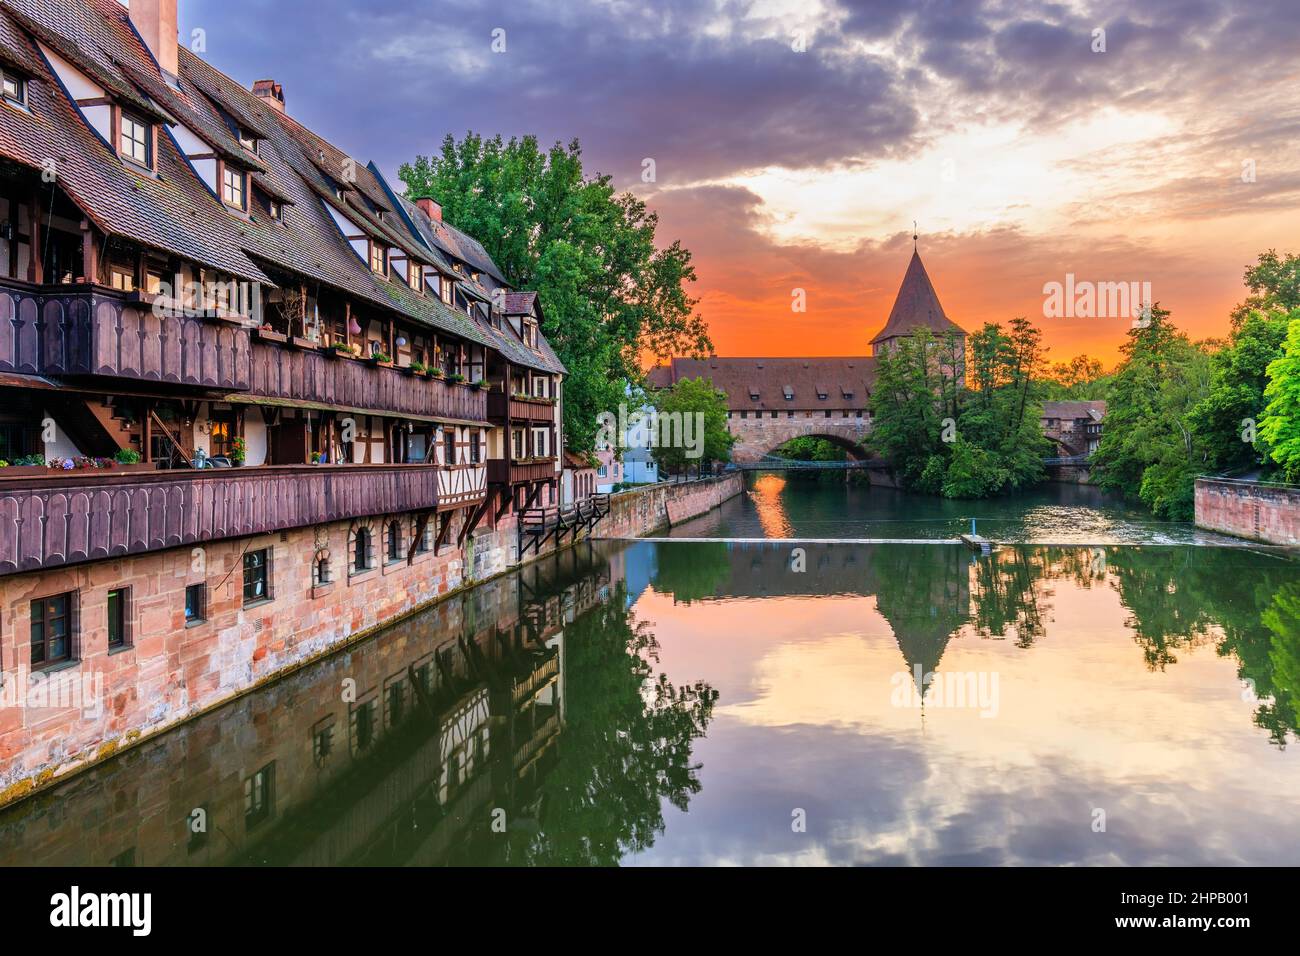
x=914, y=235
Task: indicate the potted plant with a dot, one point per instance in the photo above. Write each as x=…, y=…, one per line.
x=455, y=377
x=478, y=384
x=437, y=372
x=315, y=458
x=269, y=334
x=238, y=451
x=26, y=465
x=128, y=459
x=341, y=348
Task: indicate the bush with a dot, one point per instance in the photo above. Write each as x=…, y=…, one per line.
x=127, y=456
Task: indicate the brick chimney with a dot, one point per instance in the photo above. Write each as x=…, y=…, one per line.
x=271, y=92
x=155, y=20
x=430, y=208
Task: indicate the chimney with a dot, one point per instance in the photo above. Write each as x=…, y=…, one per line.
x=155, y=20
x=271, y=92
x=430, y=208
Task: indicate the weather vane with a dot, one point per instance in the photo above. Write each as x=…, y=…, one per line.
x=914, y=235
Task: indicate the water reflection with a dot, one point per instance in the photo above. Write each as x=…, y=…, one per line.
x=672, y=702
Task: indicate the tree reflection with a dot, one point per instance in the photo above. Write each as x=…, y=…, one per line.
x=627, y=746
x=693, y=573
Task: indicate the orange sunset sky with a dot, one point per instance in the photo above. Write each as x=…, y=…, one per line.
x=795, y=141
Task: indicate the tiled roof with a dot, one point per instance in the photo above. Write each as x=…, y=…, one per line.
x=177, y=213
x=916, y=306
x=846, y=382
x=1071, y=410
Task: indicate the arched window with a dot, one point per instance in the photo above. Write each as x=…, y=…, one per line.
x=361, y=550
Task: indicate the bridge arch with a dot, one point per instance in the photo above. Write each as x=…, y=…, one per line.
x=756, y=437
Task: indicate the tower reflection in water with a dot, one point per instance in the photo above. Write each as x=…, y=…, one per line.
x=530, y=721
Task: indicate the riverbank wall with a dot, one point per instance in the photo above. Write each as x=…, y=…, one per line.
x=172, y=665
x=1249, y=509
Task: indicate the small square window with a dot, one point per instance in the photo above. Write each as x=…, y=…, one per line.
x=119, y=618
x=257, y=576
x=51, y=634
x=196, y=600
x=15, y=88
x=233, y=191
x=136, y=140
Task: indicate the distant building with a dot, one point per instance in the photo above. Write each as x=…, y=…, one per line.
x=772, y=400
x=609, y=471
x=577, y=480
x=1075, y=426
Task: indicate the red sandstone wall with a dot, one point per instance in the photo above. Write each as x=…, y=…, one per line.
x=1247, y=510
x=642, y=510
x=172, y=672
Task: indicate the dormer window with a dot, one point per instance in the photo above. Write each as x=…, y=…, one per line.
x=248, y=141
x=15, y=88
x=415, y=275
x=447, y=291
x=135, y=140
x=274, y=207
x=530, y=333
x=378, y=258
x=234, y=190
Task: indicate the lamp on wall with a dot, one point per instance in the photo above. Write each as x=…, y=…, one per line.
x=353, y=327
x=401, y=341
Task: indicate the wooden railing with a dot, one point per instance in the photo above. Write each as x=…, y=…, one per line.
x=311, y=375
x=519, y=408
x=88, y=330
x=504, y=472
x=75, y=331
x=47, y=521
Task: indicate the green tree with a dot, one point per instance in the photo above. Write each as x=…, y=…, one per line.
x=1081, y=379
x=1280, y=428
x=701, y=412
x=610, y=294
x=1224, y=420
x=1274, y=283
x=1162, y=377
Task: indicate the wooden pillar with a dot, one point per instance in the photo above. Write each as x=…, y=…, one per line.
x=89, y=252
x=36, y=267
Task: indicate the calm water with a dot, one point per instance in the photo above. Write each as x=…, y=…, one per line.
x=705, y=703
x=776, y=506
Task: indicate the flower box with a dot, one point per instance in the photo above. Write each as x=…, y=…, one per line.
x=267, y=335
x=299, y=342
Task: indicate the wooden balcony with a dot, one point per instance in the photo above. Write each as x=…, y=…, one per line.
x=501, y=406
x=311, y=375
x=78, y=331
x=504, y=472
x=47, y=521
x=85, y=330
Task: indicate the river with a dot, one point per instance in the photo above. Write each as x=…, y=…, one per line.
x=1134, y=701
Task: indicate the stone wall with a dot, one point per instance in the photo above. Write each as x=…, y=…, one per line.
x=171, y=671
x=642, y=510
x=1261, y=512
x=757, y=435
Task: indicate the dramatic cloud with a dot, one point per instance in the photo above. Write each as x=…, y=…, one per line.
x=794, y=142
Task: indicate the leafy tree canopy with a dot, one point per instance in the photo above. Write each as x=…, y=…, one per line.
x=610, y=293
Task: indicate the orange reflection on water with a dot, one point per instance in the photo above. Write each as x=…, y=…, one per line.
x=766, y=495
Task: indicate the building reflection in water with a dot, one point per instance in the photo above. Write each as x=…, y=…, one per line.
x=528, y=721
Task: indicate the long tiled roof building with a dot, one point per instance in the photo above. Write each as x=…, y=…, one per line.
x=252, y=398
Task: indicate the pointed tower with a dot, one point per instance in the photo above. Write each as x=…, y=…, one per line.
x=915, y=306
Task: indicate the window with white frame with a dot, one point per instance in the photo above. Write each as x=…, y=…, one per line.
x=234, y=191
x=15, y=88
x=136, y=140
x=541, y=442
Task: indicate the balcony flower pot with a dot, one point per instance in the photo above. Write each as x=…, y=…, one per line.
x=269, y=335
x=299, y=342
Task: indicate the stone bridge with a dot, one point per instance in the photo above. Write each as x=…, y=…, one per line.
x=756, y=437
